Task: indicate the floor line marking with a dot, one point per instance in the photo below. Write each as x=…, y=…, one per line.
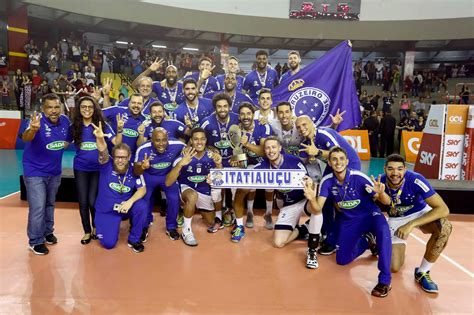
x=16, y=192
x=452, y=261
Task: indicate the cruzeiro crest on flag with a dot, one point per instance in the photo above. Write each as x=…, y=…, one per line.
x=310, y=101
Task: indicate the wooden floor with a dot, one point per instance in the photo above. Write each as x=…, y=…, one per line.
x=216, y=277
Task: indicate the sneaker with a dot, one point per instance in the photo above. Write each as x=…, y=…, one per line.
x=173, y=234
x=51, y=239
x=189, y=239
x=424, y=279
x=136, y=247
x=39, y=249
x=327, y=249
x=229, y=218
x=372, y=244
x=249, y=222
x=180, y=220
x=144, y=236
x=94, y=234
x=268, y=221
x=218, y=225
x=311, y=259
x=238, y=234
x=381, y=290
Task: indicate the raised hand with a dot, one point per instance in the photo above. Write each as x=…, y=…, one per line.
x=378, y=187
x=141, y=129
x=337, y=118
x=35, y=122
x=96, y=93
x=107, y=86
x=188, y=154
x=244, y=139
x=146, y=162
x=309, y=188
x=156, y=64
x=310, y=149
x=216, y=157
x=98, y=132
x=206, y=73
x=120, y=122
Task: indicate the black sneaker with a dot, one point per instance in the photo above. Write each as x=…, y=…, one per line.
x=381, y=290
x=39, y=249
x=218, y=225
x=372, y=244
x=327, y=249
x=173, y=234
x=136, y=247
x=144, y=236
x=51, y=239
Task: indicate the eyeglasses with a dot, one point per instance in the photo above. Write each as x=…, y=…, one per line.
x=120, y=157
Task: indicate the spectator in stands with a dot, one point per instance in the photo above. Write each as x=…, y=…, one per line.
x=413, y=122
x=90, y=77
x=85, y=59
x=29, y=46
x=416, y=84
x=379, y=68
x=402, y=125
x=443, y=84
x=124, y=89
x=97, y=61
x=395, y=81
x=421, y=123
x=405, y=105
x=34, y=59
x=53, y=58
x=5, y=94
x=18, y=86
x=51, y=75
x=64, y=48
x=387, y=134
x=76, y=52
x=3, y=63
x=429, y=84
x=464, y=94
x=371, y=124
x=419, y=107
x=387, y=102
x=35, y=83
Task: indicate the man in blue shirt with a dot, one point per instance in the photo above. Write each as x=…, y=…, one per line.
x=194, y=109
x=232, y=69
x=230, y=88
x=263, y=77
x=354, y=195
x=46, y=137
x=414, y=203
x=120, y=195
x=294, y=61
x=175, y=128
x=144, y=89
x=206, y=83
x=191, y=170
x=154, y=160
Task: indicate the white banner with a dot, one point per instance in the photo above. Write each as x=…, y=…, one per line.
x=257, y=179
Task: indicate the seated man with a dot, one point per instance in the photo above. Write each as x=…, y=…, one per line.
x=414, y=203
x=119, y=195
x=191, y=170
x=353, y=194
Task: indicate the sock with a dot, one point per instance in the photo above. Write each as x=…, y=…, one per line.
x=269, y=207
x=315, y=223
x=249, y=206
x=425, y=265
x=313, y=241
x=240, y=221
x=187, y=225
x=219, y=214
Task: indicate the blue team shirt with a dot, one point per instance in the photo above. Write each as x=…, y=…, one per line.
x=165, y=96
x=325, y=139
x=240, y=81
x=175, y=128
x=87, y=155
x=351, y=197
x=253, y=85
x=208, y=86
x=285, y=75
x=146, y=105
x=217, y=135
x=160, y=163
x=290, y=162
x=130, y=133
x=195, y=173
x=43, y=154
x=414, y=191
x=237, y=99
x=259, y=132
x=203, y=110
x=110, y=186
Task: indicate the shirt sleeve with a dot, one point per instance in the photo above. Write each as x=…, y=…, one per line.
x=423, y=187
x=324, y=188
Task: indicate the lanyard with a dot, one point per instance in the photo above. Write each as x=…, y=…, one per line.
x=172, y=93
x=395, y=198
x=193, y=115
x=262, y=79
x=223, y=129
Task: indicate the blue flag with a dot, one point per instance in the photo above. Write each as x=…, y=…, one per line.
x=323, y=87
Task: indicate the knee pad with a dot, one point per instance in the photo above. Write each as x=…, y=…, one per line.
x=216, y=195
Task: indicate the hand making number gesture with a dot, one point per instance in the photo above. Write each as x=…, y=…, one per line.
x=145, y=162
x=98, y=132
x=310, y=149
x=337, y=118
x=156, y=64
x=35, y=122
x=188, y=154
x=309, y=188
x=378, y=187
x=120, y=122
x=206, y=73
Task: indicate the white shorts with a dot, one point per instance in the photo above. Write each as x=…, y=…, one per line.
x=290, y=215
x=205, y=202
x=395, y=222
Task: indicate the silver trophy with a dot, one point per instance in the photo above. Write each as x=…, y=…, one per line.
x=238, y=155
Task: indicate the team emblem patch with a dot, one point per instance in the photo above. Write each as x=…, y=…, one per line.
x=312, y=102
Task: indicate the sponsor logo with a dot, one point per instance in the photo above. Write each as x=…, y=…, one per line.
x=55, y=146
x=197, y=178
x=88, y=146
x=223, y=144
x=414, y=145
x=356, y=143
x=456, y=119
x=427, y=157
x=433, y=123
x=119, y=188
x=422, y=185
x=312, y=102
x=217, y=178
x=349, y=204
x=453, y=142
x=450, y=177
x=170, y=107
x=130, y=133
x=452, y=154
x=451, y=165
x=162, y=165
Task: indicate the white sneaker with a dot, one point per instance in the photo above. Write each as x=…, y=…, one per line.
x=268, y=221
x=311, y=259
x=189, y=239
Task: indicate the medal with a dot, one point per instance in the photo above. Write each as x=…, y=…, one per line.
x=195, y=119
x=172, y=93
x=263, y=78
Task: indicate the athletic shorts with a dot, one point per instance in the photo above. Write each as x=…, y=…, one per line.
x=205, y=202
x=395, y=222
x=290, y=215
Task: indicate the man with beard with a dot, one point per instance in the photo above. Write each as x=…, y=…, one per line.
x=135, y=123
x=206, y=83
x=119, y=196
x=144, y=89
x=217, y=133
x=263, y=77
x=354, y=195
x=45, y=139
x=232, y=68
x=412, y=202
x=294, y=61
x=194, y=109
x=174, y=128
x=191, y=170
x=154, y=159
x=230, y=89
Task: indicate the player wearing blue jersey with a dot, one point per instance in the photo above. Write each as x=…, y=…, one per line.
x=263, y=77
x=194, y=109
x=134, y=122
x=175, y=128
x=191, y=170
x=144, y=89
x=294, y=61
x=120, y=195
x=354, y=195
x=86, y=165
x=232, y=69
x=46, y=137
x=206, y=83
x=230, y=89
x=154, y=160
x=414, y=203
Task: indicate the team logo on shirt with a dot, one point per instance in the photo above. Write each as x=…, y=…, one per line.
x=170, y=107
x=119, y=188
x=130, y=133
x=88, y=146
x=55, y=146
x=197, y=178
x=160, y=166
x=348, y=204
x=310, y=101
x=223, y=144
